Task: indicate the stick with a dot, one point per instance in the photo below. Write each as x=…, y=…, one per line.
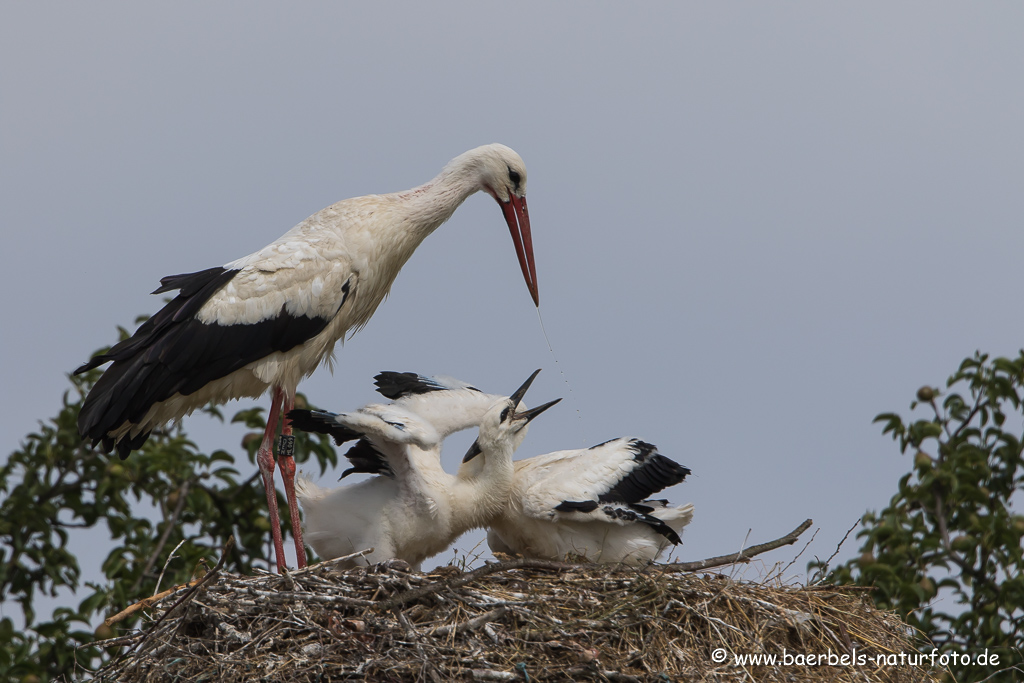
x=490, y=675
x=327, y=563
x=741, y=556
x=148, y=602
x=823, y=571
x=163, y=571
x=182, y=494
x=469, y=625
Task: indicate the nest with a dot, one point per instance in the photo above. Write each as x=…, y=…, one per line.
x=509, y=621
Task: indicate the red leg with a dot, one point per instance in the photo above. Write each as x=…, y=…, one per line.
x=265, y=460
x=288, y=474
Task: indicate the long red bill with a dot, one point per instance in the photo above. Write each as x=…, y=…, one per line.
x=518, y=218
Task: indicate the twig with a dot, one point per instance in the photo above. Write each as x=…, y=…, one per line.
x=171, y=523
x=742, y=556
x=1001, y=672
x=59, y=487
x=782, y=572
x=325, y=563
x=410, y=631
x=978, y=402
x=824, y=570
x=147, y=602
x=745, y=539
x=289, y=597
x=289, y=582
x=470, y=624
x=112, y=642
x=164, y=570
x=490, y=675
x=939, y=513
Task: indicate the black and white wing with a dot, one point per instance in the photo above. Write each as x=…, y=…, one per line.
x=383, y=435
x=364, y=457
x=610, y=482
x=222, y=320
x=449, y=404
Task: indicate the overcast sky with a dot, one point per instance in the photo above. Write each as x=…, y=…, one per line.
x=756, y=226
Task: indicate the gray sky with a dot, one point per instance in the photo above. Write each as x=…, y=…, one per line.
x=756, y=226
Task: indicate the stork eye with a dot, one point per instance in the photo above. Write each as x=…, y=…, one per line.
x=504, y=413
x=514, y=177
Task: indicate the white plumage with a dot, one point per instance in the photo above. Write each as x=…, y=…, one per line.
x=269, y=319
x=413, y=509
x=593, y=504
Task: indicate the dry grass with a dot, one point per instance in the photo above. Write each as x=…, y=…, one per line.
x=511, y=621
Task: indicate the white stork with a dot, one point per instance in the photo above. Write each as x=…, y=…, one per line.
x=592, y=503
x=267, y=320
x=413, y=509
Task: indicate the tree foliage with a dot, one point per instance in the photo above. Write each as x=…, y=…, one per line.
x=946, y=553
x=55, y=486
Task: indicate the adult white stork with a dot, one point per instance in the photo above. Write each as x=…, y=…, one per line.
x=413, y=509
x=267, y=320
x=592, y=503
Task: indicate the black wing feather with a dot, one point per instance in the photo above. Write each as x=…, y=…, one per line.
x=363, y=456
x=172, y=353
x=638, y=514
x=322, y=422
x=654, y=472
x=366, y=459
x=396, y=385
x=576, y=506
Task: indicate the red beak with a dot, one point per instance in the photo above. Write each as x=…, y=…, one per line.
x=518, y=219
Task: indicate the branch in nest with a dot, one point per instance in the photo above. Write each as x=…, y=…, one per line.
x=148, y=602
x=470, y=624
x=741, y=556
x=491, y=675
x=326, y=563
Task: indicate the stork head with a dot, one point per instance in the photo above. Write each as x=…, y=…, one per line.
x=502, y=174
x=503, y=426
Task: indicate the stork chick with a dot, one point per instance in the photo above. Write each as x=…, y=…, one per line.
x=412, y=509
x=592, y=504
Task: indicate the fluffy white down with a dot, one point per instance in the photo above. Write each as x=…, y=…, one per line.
x=377, y=513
